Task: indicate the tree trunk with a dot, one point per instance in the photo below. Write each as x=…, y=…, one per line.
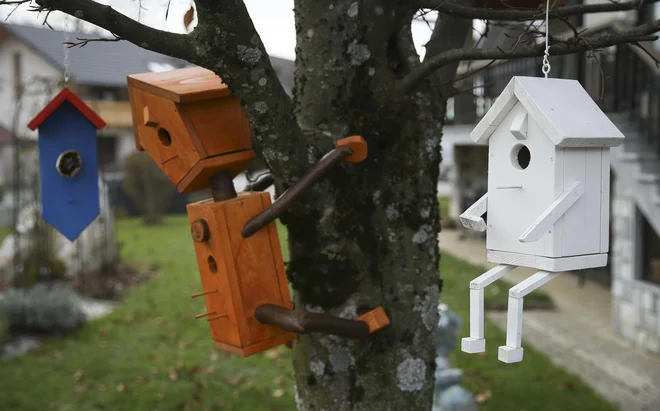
x=367, y=235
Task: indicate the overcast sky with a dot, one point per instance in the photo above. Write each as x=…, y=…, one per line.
x=273, y=19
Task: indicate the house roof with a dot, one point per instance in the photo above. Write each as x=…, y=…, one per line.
x=60, y=98
x=562, y=108
x=99, y=64
x=108, y=63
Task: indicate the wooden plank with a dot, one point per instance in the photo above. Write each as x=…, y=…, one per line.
x=181, y=85
x=605, y=201
x=220, y=124
x=168, y=141
x=198, y=176
x=553, y=213
x=548, y=264
x=472, y=217
x=519, y=126
x=219, y=303
x=554, y=245
x=581, y=222
x=278, y=261
x=256, y=273
x=258, y=347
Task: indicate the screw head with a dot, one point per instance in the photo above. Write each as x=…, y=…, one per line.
x=200, y=230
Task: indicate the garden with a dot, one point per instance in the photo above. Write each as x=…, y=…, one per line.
x=150, y=353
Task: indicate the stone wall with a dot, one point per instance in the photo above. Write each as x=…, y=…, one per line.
x=635, y=303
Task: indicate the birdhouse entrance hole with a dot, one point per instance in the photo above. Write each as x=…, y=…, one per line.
x=164, y=137
x=213, y=266
x=69, y=163
x=520, y=156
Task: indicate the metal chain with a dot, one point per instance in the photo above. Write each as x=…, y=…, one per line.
x=66, y=52
x=546, y=57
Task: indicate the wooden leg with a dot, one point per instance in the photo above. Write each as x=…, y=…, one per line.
x=513, y=351
x=476, y=342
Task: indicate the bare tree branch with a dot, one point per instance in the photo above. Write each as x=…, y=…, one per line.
x=458, y=10
x=607, y=38
x=175, y=45
x=82, y=42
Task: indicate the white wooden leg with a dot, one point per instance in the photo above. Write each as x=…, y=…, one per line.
x=476, y=343
x=513, y=351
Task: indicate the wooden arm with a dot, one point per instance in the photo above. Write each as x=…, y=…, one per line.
x=553, y=213
x=352, y=149
x=472, y=217
x=302, y=322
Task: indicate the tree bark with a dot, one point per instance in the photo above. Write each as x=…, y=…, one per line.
x=367, y=235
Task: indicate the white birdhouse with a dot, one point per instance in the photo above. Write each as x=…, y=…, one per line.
x=548, y=192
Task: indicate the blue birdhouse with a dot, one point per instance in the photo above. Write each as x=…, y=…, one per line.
x=68, y=163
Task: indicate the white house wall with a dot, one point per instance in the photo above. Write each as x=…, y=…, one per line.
x=33, y=67
x=597, y=19
x=635, y=303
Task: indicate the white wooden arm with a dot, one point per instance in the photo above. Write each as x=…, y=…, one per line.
x=553, y=213
x=472, y=219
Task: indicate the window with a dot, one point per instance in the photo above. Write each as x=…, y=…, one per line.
x=107, y=153
x=650, y=252
x=18, y=80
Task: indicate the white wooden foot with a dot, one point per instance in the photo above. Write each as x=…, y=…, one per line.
x=510, y=355
x=476, y=342
x=473, y=345
x=513, y=351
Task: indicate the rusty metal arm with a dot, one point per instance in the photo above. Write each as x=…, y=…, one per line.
x=286, y=200
x=261, y=184
x=302, y=322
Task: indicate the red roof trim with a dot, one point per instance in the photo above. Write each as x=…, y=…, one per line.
x=71, y=97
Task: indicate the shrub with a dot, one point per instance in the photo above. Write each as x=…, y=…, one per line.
x=147, y=186
x=43, y=308
x=4, y=327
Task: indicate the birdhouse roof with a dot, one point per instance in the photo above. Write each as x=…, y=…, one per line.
x=60, y=98
x=182, y=85
x=561, y=108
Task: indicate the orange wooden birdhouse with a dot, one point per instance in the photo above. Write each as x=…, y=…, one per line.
x=190, y=125
x=197, y=133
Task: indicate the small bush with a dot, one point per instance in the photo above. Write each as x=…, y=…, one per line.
x=147, y=186
x=43, y=308
x=4, y=327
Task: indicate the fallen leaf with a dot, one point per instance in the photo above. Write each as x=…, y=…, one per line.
x=128, y=319
x=278, y=393
x=481, y=398
x=234, y=381
x=105, y=331
x=173, y=376
x=279, y=381
x=143, y=379
x=121, y=388
x=183, y=345
x=214, y=356
x=78, y=375
x=188, y=17
x=565, y=385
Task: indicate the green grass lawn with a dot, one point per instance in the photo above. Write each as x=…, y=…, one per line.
x=150, y=354
x=4, y=232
